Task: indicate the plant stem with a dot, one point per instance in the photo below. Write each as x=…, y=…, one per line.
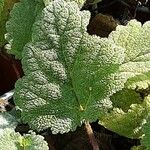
x=16, y=71
x=91, y=136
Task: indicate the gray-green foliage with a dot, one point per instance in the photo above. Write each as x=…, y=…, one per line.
x=5, y=7
x=19, y=26
x=11, y=140
x=79, y=2
x=140, y=82
x=126, y=120
x=128, y=123
x=70, y=75
x=7, y=121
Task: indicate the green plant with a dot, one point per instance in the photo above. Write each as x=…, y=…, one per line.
x=146, y=139
x=75, y=73
x=72, y=77
x=7, y=121
x=13, y=140
x=5, y=7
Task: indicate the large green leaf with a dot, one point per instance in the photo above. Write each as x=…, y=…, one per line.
x=19, y=26
x=69, y=75
x=135, y=42
x=137, y=49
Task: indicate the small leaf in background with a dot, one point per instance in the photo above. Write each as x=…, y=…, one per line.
x=19, y=26
x=128, y=123
x=11, y=140
x=7, y=121
x=5, y=7
x=137, y=60
x=102, y=25
x=1, y=7
x=125, y=98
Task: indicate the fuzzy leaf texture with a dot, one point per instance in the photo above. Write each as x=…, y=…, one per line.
x=128, y=123
x=146, y=139
x=136, y=43
x=5, y=7
x=19, y=26
x=70, y=75
x=11, y=140
x=139, y=83
x=125, y=120
x=7, y=121
x=79, y=2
